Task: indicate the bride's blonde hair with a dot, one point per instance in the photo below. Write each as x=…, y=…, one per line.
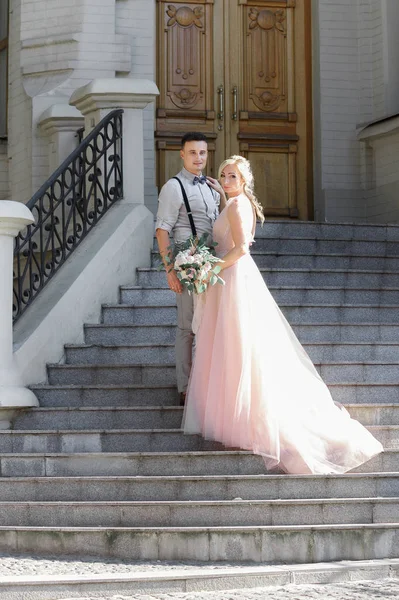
x=245, y=170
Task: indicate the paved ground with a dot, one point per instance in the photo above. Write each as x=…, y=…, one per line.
x=387, y=589
x=36, y=565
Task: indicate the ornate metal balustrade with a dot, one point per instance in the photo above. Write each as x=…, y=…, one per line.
x=67, y=207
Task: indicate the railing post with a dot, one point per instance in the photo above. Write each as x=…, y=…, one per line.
x=98, y=98
x=14, y=216
x=60, y=123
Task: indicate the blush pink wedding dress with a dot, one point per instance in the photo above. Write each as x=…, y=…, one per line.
x=252, y=385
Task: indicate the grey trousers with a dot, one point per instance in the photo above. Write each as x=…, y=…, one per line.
x=184, y=339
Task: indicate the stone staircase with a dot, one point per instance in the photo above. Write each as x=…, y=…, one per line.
x=102, y=468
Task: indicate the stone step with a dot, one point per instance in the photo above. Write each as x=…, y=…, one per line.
x=167, y=579
x=353, y=372
x=131, y=464
x=370, y=393
x=198, y=487
x=338, y=231
x=163, y=374
x=222, y=513
x=165, y=353
x=269, y=258
x=272, y=544
x=133, y=440
x=309, y=244
x=111, y=440
x=266, y=256
x=112, y=374
x=275, y=229
x=326, y=246
x=125, y=334
x=306, y=332
x=141, y=395
x=284, y=260
x=112, y=354
x=371, y=279
x=161, y=417
x=157, y=417
x=105, y=395
x=122, y=314
x=136, y=296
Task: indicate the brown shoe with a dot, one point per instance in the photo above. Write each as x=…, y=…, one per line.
x=182, y=398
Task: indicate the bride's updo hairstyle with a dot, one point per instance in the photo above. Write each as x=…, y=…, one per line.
x=245, y=170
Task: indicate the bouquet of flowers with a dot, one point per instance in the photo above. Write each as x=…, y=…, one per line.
x=195, y=264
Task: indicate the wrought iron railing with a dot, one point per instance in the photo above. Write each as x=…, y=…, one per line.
x=67, y=207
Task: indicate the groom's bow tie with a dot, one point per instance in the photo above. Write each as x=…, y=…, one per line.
x=201, y=179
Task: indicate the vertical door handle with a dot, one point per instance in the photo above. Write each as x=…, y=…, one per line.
x=235, y=103
x=221, y=107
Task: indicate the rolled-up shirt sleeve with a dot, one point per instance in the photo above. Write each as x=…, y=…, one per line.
x=169, y=204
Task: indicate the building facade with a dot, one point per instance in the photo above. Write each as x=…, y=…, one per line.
x=307, y=89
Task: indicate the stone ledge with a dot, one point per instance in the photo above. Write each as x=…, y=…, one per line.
x=156, y=578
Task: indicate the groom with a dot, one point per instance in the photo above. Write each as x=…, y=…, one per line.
x=172, y=218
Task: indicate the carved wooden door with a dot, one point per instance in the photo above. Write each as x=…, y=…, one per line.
x=240, y=71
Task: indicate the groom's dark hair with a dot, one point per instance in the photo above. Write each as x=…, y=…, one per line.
x=193, y=136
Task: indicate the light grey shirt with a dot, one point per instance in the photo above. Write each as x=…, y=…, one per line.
x=172, y=214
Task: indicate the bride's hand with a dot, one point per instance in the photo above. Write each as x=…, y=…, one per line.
x=214, y=183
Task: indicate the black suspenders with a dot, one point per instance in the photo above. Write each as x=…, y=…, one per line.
x=188, y=208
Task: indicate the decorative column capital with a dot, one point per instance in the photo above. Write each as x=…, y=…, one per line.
x=14, y=216
x=125, y=93
x=60, y=117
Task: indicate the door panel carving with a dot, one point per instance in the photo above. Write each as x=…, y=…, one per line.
x=185, y=60
x=240, y=71
x=266, y=55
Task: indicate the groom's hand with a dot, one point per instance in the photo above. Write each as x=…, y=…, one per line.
x=173, y=282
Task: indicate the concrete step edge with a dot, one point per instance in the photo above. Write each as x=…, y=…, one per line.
x=153, y=455
x=281, y=304
x=196, y=503
x=296, y=270
x=128, y=386
x=170, y=365
x=101, y=386
x=314, y=324
x=171, y=408
x=266, y=477
x=206, y=529
x=131, y=431
x=172, y=579
x=171, y=345
x=282, y=287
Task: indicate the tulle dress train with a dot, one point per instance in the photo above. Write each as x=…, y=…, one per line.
x=252, y=385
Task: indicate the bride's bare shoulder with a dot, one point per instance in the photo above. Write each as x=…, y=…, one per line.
x=238, y=202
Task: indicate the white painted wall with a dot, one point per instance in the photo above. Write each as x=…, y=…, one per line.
x=136, y=20
x=56, y=47
x=356, y=82
x=106, y=259
x=19, y=116
x=4, y=191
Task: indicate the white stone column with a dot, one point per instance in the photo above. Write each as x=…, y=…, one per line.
x=390, y=24
x=60, y=123
x=100, y=97
x=14, y=216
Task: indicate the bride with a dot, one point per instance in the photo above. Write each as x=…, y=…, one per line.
x=252, y=385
